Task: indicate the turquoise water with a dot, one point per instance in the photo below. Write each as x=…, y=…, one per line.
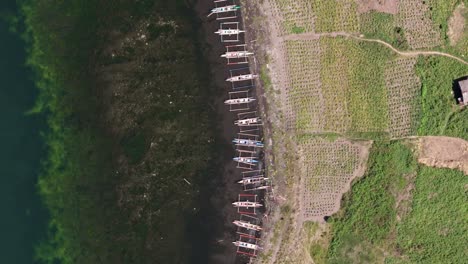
x=22, y=218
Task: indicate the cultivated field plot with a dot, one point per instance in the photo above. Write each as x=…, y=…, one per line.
x=305, y=100
x=293, y=16
x=403, y=89
x=336, y=15
x=327, y=169
x=299, y=16
x=419, y=29
x=337, y=85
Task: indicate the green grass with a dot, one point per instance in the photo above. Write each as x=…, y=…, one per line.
x=318, y=253
x=436, y=229
x=431, y=231
x=440, y=115
x=369, y=215
x=297, y=30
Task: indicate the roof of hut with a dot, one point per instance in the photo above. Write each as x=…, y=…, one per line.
x=464, y=90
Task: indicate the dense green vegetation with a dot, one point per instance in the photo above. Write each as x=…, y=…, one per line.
x=440, y=114
x=435, y=230
x=380, y=222
x=369, y=213
x=113, y=181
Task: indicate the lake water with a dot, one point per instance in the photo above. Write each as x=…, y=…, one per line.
x=22, y=217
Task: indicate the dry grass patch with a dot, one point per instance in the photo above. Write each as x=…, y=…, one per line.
x=457, y=24
x=384, y=6
x=444, y=152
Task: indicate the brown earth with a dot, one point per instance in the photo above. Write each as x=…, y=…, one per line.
x=456, y=24
x=384, y=6
x=444, y=152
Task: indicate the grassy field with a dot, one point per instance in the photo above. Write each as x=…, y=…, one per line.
x=382, y=222
x=435, y=229
x=440, y=115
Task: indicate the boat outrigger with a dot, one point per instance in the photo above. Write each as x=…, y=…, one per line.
x=252, y=180
x=224, y=9
x=247, y=142
x=239, y=101
x=247, y=204
x=246, y=245
x=244, y=77
x=248, y=161
x=247, y=225
x=259, y=188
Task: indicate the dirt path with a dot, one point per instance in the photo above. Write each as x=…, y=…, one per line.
x=307, y=36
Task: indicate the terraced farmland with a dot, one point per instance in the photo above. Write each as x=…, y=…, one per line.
x=403, y=93
x=328, y=168
x=344, y=86
x=348, y=72
x=302, y=16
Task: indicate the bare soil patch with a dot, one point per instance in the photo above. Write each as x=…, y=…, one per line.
x=457, y=24
x=384, y=6
x=444, y=152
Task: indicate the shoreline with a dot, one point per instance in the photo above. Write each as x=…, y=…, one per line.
x=223, y=250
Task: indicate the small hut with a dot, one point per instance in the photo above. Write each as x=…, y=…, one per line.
x=463, y=95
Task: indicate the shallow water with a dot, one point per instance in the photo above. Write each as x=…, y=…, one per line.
x=22, y=218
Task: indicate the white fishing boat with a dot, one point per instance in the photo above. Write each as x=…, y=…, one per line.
x=252, y=180
x=247, y=225
x=248, y=161
x=229, y=32
x=236, y=54
x=246, y=245
x=239, y=101
x=247, y=142
x=248, y=121
x=224, y=9
x=243, y=77
x=247, y=204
